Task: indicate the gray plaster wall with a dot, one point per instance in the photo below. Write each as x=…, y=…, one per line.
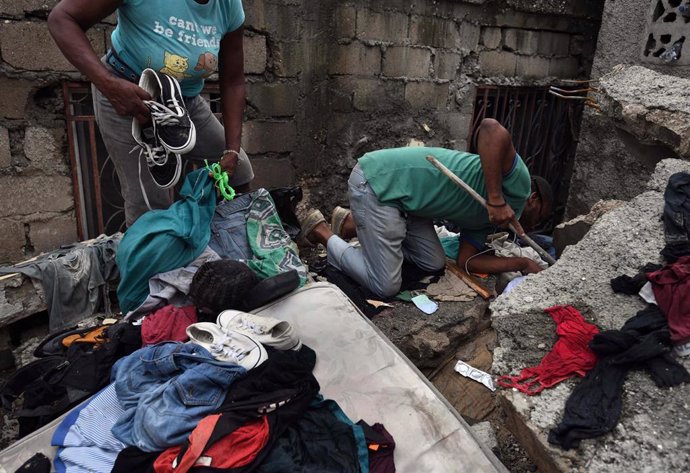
x=326, y=82
x=610, y=164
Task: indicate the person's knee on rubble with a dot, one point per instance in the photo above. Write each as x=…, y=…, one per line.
x=395, y=195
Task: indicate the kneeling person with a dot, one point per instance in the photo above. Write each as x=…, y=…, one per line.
x=395, y=194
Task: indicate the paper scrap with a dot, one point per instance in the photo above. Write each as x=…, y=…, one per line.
x=473, y=373
x=378, y=304
x=425, y=304
x=450, y=288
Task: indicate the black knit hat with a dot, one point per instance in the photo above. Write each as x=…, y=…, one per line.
x=221, y=285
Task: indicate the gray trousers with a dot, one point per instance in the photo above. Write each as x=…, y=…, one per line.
x=387, y=237
x=116, y=131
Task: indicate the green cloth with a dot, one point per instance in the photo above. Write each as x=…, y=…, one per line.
x=274, y=252
x=403, y=178
x=163, y=240
x=451, y=246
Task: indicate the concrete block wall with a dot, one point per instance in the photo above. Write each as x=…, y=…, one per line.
x=326, y=82
x=610, y=163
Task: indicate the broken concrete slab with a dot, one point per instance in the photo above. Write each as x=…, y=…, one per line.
x=652, y=106
x=428, y=339
x=654, y=421
x=570, y=232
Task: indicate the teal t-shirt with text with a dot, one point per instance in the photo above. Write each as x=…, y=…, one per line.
x=178, y=37
x=403, y=178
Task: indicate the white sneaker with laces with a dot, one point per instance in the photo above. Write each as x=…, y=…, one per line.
x=228, y=346
x=275, y=333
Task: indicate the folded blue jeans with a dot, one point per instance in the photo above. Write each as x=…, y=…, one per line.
x=165, y=390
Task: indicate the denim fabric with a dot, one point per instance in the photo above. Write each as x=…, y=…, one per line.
x=165, y=390
x=74, y=279
x=229, y=229
x=387, y=236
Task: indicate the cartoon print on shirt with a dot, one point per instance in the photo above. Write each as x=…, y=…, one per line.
x=208, y=62
x=175, y=66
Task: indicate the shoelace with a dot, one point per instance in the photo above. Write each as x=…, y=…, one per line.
x=153, y=158
x=249, y=325
x=162, y=114
x=226, y=349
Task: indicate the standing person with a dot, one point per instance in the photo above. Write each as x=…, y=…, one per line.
x=395, y=194
x=185, y=39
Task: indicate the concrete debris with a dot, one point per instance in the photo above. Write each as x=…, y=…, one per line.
x=619, y=242
x=485, y=433
x=570, y=232
x=652, y=106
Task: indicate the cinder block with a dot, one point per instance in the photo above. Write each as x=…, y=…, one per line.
x=287, y=59
x=28, y=195
x=260, y=136
x=533, y=66
x=497, y=63
x=28, y=45
x=427, y=95
x=581, y=45
x=278, y=18
x=17, y=8
x=435, y=32
x=12, y=241
x=273, y=100
x=521, y=41
x=389, y=26
x=48, y=235
x=367, y=94
x=345, y=22
x=554, y=44
x=405, y=61
x=272, y=172
x=255, y=54
x=5, y=154
x=15, y=93
x=457, y=125
x=447, y=64
x=564, y=68
x=356, y=59
x=469, y=36
x=491, y=37
x=45, y=149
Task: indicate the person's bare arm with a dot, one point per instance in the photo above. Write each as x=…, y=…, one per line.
x=497, y=153
x=232, y=93
x=68, y=22
x=493, y=264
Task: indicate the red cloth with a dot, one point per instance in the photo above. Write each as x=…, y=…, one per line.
x=671, y=285
x=168, y=324
x=236, y=449
x=570, y=355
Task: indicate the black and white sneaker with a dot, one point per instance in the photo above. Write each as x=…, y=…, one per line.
x=171, y=121
x=165, y=167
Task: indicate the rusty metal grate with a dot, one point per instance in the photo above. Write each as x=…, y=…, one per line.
x=97, y=196
x=544, y=130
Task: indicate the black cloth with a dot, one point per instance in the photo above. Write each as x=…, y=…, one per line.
x=131, y=460
x=631, y=285
x=286, y=200
x=677, y=217
x=52, y=385
x=381, y=446
x=675, y=250
x=39, y=463
x=411, y=280
x=595, y=404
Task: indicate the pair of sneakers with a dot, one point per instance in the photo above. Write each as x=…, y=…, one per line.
x=238, y=337
x=171, y=132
